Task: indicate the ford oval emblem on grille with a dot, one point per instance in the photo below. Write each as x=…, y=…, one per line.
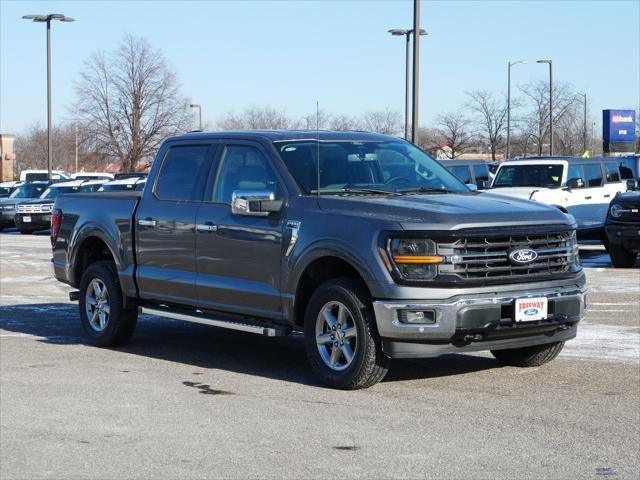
x=522, y=256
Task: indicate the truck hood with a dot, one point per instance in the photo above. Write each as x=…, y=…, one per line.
x=446, y=211
x=37, y=201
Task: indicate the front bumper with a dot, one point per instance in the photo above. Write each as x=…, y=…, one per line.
x=625, y=235
x=478, y=322
x=6, y=218
x=38, y=221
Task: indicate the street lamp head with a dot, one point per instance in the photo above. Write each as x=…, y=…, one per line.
x=47, y=18
x=423, y=32
x=398, y=32
x=35, y=18
x=543, y=61
x=194, y=105
x=67, y=19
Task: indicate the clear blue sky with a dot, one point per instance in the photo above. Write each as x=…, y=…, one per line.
x=288, y=54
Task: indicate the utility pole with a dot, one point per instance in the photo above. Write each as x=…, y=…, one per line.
x=508, y=156
x=416, y=71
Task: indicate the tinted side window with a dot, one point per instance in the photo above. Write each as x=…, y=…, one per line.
x=462, y=172
x=575, y=171
x=481, y=172
x=242, y=168
x=593, y=175
x=628, y=168
x=183, y=173
x=613, y=175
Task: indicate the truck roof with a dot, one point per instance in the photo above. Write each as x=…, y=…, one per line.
x=284, y=135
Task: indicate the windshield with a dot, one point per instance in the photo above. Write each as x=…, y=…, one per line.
x=28, y=191
x=53, y=192
x=365, y=168
x=543, y=175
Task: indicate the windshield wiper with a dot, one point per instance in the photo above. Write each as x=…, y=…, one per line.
x=373, y=191
x=425, y=190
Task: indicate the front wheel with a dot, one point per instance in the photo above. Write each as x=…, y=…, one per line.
x=103, y=317
x=341, y=339
x=533, y=356
x=622, y=258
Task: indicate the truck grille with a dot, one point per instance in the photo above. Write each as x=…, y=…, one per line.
x=487, y=257
x=46, y=208
x=631, y=212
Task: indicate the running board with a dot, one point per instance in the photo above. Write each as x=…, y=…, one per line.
x=265, y=330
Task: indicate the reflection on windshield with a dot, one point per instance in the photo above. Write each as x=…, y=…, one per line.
x=365, y=168
x=53, y=192
x=529, y=176
x=28, y=191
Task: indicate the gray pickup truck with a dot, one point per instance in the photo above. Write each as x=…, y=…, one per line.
x=361, y=241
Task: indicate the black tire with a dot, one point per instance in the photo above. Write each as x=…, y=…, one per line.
x=121, y=322
x=622, y=258
x=369, y=364
x=533, y=356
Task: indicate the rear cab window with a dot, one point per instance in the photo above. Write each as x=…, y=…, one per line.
x=183, y=173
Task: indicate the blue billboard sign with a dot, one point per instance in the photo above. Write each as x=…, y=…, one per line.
x=619, y=125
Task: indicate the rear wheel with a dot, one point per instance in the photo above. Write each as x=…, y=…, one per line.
x=103, y=318
x=622, y=258
x=341, y=339
x=533, y=356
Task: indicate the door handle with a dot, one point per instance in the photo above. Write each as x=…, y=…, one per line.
x=607, y=195
x=206, y=227
x=588, y=197
x=147, y=222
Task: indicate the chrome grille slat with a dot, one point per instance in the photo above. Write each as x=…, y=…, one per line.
x=488, y=257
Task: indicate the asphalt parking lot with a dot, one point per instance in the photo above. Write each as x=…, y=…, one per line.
x=189, y=401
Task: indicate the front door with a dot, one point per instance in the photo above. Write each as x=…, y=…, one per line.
x=165, y=225
x=238, y=257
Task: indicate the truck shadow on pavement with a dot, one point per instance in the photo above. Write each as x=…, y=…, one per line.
x=214, y=348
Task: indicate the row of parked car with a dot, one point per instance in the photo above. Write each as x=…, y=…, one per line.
x=27, y=204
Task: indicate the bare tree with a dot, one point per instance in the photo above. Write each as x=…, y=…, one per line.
x=319, y=120
x=31, y=147
x=385, y=121
x=129, y=100
x=491, y=117
x=344, y=123
x=454, y=130
x=255, y=118
x=534, y=124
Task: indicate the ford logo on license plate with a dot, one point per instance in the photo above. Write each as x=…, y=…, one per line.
x=523, y=256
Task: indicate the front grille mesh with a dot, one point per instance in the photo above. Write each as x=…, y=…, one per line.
x=487, y=257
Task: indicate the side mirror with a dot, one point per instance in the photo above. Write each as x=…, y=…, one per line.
x=254, y=203
x=575, y=183
x=472, y=186
x=632, y=184
x=484, y=185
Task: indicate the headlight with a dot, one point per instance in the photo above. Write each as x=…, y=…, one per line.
x=415, y=258
x=616, y=210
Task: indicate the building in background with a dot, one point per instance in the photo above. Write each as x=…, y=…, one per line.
x=618, y=132
x=6, y=157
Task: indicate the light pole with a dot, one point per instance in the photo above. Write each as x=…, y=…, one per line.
x=584, y=125
x=48, y=19
x=508, y=156
x=550, y=104
x=76, y=147
x=407, y=34
x=199, y=107
x=416, y=71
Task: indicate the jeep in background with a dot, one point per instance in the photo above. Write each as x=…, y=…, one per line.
x=361, y=241
x=623, y=227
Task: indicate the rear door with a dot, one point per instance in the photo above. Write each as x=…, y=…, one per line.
x=165, y=230
x=238, y=257
x=587, y=204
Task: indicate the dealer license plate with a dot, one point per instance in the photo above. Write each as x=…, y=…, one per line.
x=26, y=219
x=531, y=309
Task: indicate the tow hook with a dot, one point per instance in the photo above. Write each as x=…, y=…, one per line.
x=473, y=338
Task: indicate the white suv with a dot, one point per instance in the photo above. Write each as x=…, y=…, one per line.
x=582, y=187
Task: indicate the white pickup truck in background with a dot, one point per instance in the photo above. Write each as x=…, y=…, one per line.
x=582, y=187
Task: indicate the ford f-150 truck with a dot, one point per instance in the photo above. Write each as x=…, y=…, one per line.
x=361, y=241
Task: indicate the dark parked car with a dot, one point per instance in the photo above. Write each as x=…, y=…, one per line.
x=361, y=241
x=7, y=188
x=623, y=227
x=25, y=191
x=471, y=172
